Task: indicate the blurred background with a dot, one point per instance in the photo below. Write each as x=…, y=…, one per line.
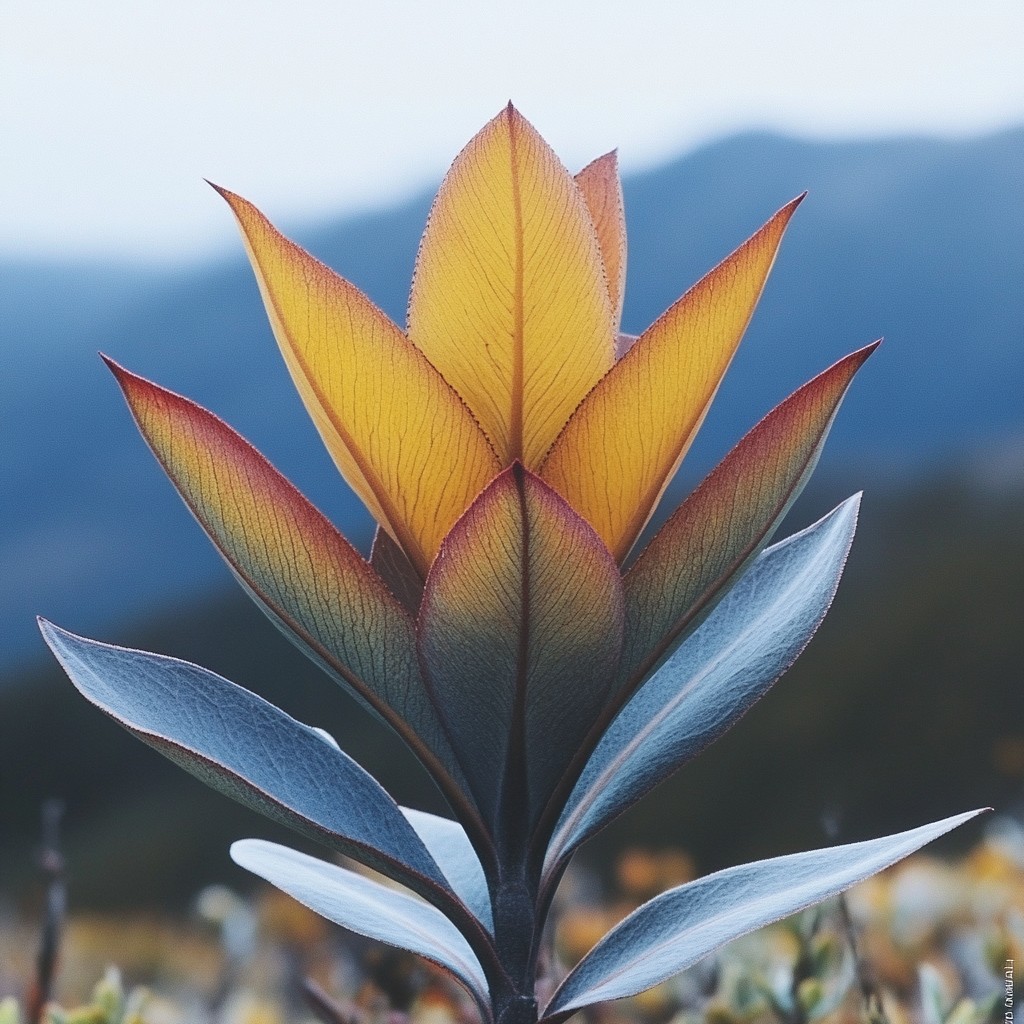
x=904, y=122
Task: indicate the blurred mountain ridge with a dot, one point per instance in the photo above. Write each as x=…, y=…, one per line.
x=915, y=239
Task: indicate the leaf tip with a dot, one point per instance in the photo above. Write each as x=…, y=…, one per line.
x=845, y=517
x=58, y=640
x=241, y=851
x=240, y=207
x=782, y=218
x=955, y=821
x=121, y=375
x=858, y=357
x=514, y=118
x=219, y=189
x=135, y=388
x=53, y=634
x=609, y=159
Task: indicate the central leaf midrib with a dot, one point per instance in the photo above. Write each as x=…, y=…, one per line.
x=515, y=784
x=518, y=342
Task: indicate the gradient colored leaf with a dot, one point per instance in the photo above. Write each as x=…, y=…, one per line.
x=294, y=563
x=626, y=440
x=399, y=434
x=509, y=300
x=367, y=908
x=602, y=191
x=678, y=928
x=720, y=528
x=754, y=634
x=448, y=844
x=249, y=749
x=519, y=638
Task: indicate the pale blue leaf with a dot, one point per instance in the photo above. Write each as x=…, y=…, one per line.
x=246, y=747
x=680, y=927
x=448, y=844
x=368, y=908
x=753, y=635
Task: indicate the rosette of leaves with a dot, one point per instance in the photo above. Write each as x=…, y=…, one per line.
x=511, y=444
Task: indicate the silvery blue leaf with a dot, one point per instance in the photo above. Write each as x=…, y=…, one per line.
x=367, y=907
x=246, y=747
x=752, y=636
x=448, y=844
x=678, y=928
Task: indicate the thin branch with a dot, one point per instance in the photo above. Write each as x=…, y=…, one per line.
x=52, y=863
x=325, y=1008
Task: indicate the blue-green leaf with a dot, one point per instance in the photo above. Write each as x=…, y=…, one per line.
x=747, y=642
x=678, y=928
x=368, y=908
x=246, y=747
x=454, y=854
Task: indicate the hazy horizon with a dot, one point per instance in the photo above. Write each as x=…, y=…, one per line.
x=146, y=260
x=116, y=112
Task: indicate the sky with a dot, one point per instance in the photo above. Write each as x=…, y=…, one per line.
x=112, y=112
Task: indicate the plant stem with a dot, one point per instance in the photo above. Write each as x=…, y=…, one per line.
x=53, y=916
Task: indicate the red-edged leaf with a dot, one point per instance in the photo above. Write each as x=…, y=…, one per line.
x=727, y=520
x=291, y=559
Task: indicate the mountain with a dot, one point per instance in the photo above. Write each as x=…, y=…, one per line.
x=915, y=239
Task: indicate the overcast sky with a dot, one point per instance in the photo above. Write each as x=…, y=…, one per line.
x=112, y=111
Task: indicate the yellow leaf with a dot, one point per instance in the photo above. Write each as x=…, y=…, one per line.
x=624, y=443
x=602, y=191
x=400, y=435
x=509, y=300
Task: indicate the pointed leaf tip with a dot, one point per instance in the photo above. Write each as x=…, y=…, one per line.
x=707, y=543
x=683, y=925
x=400, y=435
x=620, y=449
x=508, y=298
